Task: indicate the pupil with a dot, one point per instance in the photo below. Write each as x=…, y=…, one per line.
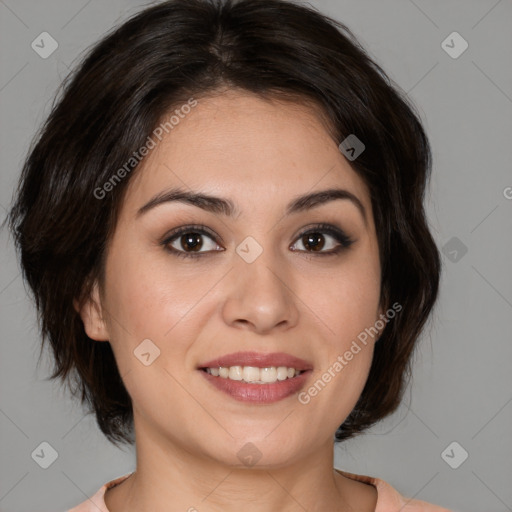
x=191, y=241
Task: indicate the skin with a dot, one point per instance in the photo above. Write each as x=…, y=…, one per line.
x=260, y=155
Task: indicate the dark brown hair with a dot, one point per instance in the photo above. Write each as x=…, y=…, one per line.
x=116, y=97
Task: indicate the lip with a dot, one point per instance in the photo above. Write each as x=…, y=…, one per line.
x=259, y=360
x=258, y=393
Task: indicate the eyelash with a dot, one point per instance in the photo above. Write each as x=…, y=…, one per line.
x=344, y=240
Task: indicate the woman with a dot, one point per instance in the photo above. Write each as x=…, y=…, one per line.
x=222, y=225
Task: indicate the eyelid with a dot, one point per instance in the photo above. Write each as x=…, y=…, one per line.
x=200, y=228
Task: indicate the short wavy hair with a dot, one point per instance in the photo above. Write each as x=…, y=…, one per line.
x=113, y=100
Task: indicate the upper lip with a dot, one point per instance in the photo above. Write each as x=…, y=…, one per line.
x=258, y=360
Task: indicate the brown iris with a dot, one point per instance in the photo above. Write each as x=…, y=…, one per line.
x=315, y=241
x=192, y=241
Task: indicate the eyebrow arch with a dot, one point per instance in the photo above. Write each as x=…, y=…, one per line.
x=227, y=207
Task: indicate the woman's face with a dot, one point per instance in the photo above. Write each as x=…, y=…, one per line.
x=253, y=283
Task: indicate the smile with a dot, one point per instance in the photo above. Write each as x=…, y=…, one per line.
x=253, y=374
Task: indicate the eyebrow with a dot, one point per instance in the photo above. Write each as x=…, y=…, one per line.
x=226, y=207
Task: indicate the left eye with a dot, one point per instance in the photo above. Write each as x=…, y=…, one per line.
x=315, y=237
x=316, y=241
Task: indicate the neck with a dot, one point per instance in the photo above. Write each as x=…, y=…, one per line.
x=168, y=478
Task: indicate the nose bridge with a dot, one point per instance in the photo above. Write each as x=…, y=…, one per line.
x=257, y=266
x=261, y=291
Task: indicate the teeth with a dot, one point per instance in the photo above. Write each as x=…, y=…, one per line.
x=254, y=374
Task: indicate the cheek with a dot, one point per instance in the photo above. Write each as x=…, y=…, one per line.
x=147, y=294
x=345, y=300
x=346, y=304
x=150, y=299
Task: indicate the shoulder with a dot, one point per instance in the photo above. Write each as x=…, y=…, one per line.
x=96, y=503
x=390, y=500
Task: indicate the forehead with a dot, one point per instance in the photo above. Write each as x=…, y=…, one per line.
x=249, y=149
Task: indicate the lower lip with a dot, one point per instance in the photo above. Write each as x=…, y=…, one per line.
x=258, y=393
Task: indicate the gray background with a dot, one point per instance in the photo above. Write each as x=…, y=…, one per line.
x=462, y=387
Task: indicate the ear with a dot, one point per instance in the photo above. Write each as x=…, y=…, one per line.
x=92, y=315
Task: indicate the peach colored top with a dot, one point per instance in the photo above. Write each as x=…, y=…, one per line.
x=388, y=499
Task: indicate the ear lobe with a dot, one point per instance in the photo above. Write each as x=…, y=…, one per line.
x=91, y=313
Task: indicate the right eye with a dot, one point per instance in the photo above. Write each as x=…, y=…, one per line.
x=187, y=241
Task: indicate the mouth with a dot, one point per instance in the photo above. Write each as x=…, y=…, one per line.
x=257, y=378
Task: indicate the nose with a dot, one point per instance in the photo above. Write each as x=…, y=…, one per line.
x=260, y=296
